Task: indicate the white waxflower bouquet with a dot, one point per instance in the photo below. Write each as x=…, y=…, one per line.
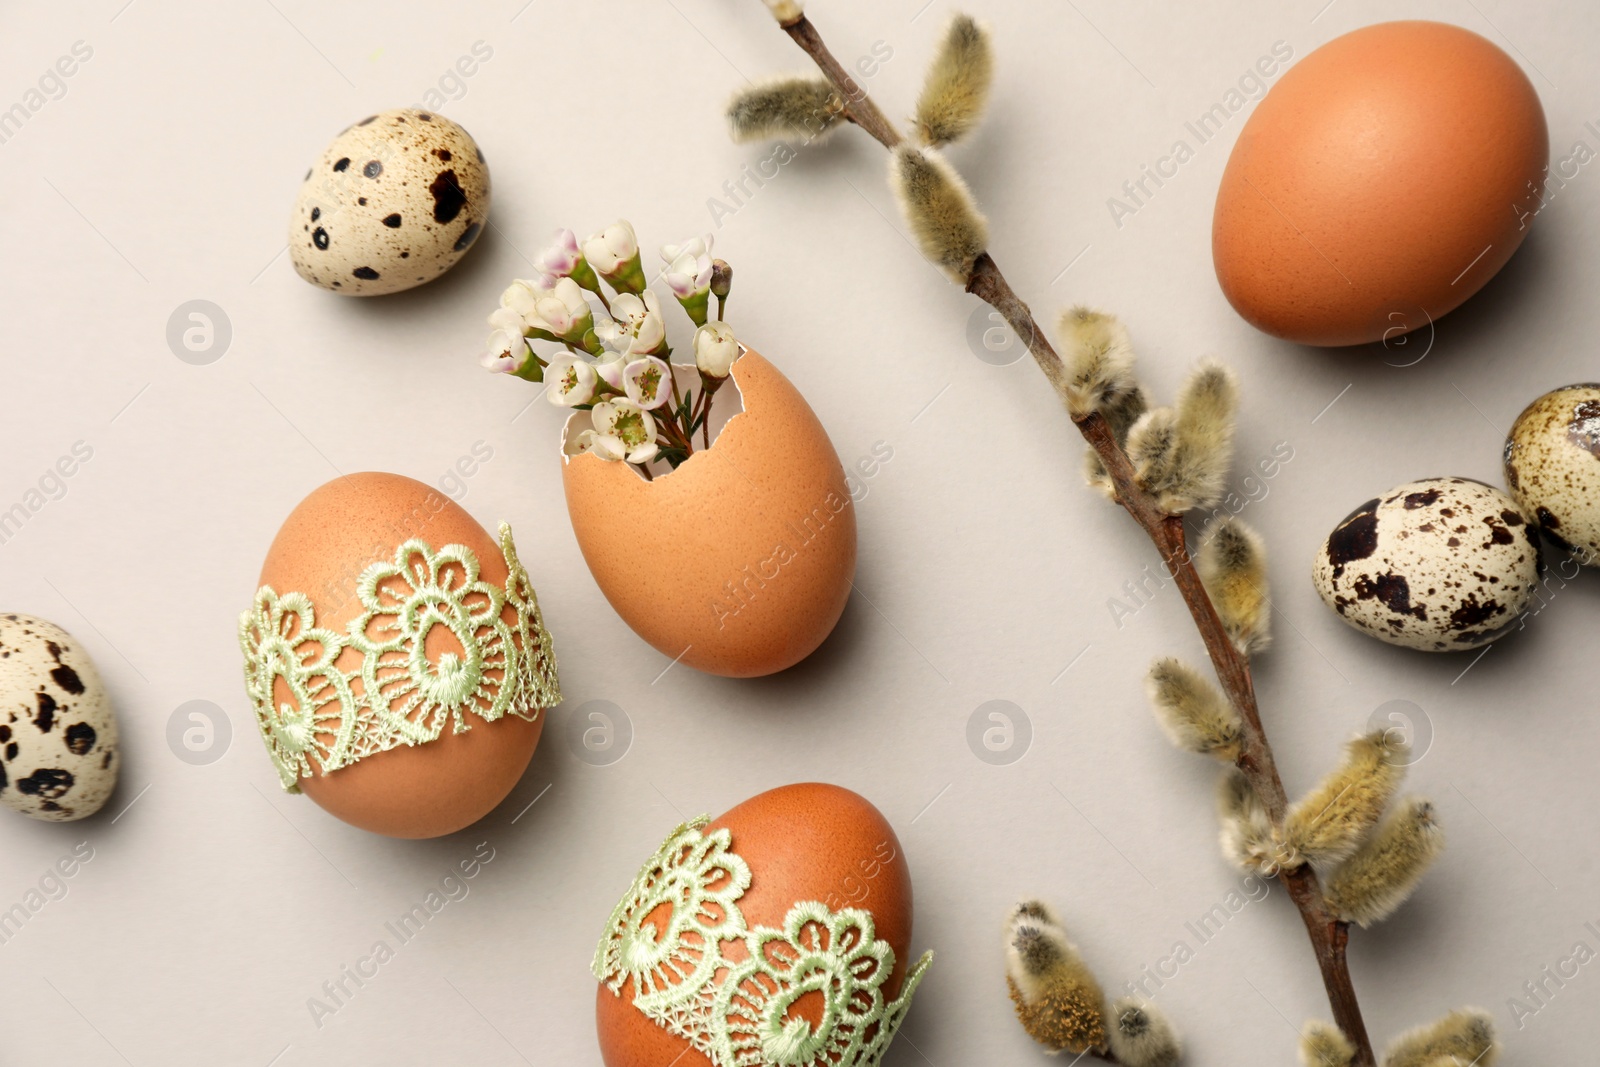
x=614, y=360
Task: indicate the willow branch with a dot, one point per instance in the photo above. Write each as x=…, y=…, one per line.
x=860, y=107
x=1328, y=935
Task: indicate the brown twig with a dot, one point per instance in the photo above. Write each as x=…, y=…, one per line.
x=1329, y=936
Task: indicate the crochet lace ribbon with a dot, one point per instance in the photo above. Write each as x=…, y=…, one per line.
x=700, y=973
x=404, y=698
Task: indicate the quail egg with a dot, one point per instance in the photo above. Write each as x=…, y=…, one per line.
x=1553, y=467
x=1437, y=565
x=58, y=737
x=396, y=200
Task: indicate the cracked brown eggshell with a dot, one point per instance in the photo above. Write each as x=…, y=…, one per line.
x=394, y=201
x=763, y=530
x=1552, y=464
x=1439, y=565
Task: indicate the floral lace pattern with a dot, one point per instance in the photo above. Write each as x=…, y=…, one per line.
x=666, y=938
x=404, y=697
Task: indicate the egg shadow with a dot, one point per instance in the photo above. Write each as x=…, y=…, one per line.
x=814, y=674
x=480, y=270
x=1502, y=299
x=1493, y=307
x=1561, y=595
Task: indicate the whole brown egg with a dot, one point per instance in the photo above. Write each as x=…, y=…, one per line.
x=1387, y=177
x=807, y=842
x=323, y=550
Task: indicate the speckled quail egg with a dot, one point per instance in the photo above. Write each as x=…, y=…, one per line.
x=1437, y=565
x=1553, y=467
x=58, y=736
x=393, y=202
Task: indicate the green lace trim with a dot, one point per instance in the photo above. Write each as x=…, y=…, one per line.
x=735, y=1009
x=502, y=668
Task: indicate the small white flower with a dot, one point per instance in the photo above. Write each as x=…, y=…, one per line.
x=611, y=249
x=611, y=369
x=563, y=311
x=688, y=270
x=521, y=296
x=506, y=320
x=507, y=351
x=606, y=446
x=569, y=381
x=561, y=257
x=648, y=382
x=632, y=425
x=637, y=327
x=715, y=349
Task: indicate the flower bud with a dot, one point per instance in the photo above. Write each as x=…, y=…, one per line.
x=614, y=252
x=1369, y=886
x=1330, y=823
x=1141, y=1036
x=563, y=312
x=721, y=278
x=715, y=349
x=786, y=11
x=1058, y=1001
x=688, y=274
x=1193, y=712
x=1324, y=1045
x=1467, y=1035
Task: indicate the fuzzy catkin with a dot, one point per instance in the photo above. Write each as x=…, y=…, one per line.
x=1120, y=414
x=804, y=107
x=1057, y=998
x=1099, y=360
x=1193, y=712
x=1140, y=1036
x=1152, y=441
x=1466, y=1034
x=1372, y=884
x=1324, y=1045
x=1246, y=834
x=1329, y=823
x=957, y=87
x=786, y=11
x=1202, y=447
x=1233, y=567
x=944, y=217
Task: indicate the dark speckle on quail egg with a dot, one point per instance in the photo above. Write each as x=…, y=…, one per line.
x=396, y=200
x=1553, y=467
x=1439, y=565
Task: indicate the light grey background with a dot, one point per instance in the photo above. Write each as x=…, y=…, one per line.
x=215, y=906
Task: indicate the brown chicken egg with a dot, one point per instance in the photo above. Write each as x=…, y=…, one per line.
x=807, y=842
x=1387, y=177
x=324, y=551
x=739, y=562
